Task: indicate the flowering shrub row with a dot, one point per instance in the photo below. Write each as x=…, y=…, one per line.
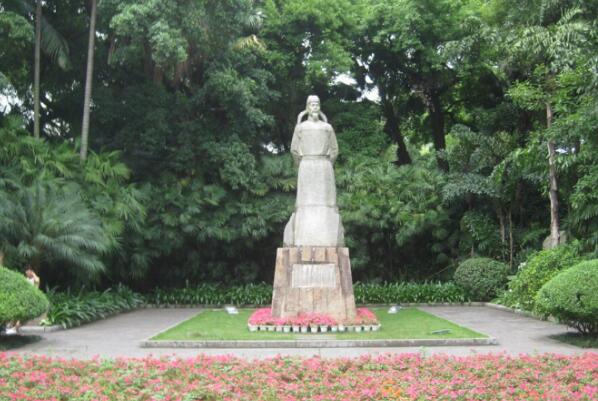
x=263, y=316
x=396, y=377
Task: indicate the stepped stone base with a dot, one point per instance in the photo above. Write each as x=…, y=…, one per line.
x=313, y=279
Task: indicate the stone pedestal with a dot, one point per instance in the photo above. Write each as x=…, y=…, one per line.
x=313, y=279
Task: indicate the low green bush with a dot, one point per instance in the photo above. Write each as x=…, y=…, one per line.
x=261, y=294
x=572, y=297
x=212, y=294
x=395, y=293
x=482, y=278
x=70, y=310
x=19, y=300
x=537, y=271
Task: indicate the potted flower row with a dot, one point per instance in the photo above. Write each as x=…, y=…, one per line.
x=263, y=320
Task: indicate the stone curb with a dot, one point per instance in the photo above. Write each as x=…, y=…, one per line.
x=40, y=329
x=519, y=312
x=318, y=343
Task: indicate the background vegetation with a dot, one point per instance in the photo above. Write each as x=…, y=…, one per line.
x=466, y=128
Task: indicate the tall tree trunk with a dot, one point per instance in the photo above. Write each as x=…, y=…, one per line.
x=501, y=224
x=37, y=61
x=437, y=120
x=511, y=239
x=553, y=190
x=88, y=80
x=391, y=127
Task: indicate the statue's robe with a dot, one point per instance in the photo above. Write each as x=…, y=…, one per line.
x=316, y=220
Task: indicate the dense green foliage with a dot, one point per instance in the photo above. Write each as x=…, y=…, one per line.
x=20, y=300
x=481, y=278
x=536, y=272
x=193, y=106
x=69, y=310
x=572, y=297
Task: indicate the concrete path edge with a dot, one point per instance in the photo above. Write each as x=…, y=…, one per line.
x=318, y=343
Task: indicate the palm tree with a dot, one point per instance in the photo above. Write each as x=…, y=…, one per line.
x=42, y=223
x=48, y=40
x=37, y=57
x=88, y=81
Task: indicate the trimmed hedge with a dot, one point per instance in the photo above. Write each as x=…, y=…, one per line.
x=395, y=293
x=212, y=294
x=19, y=300
x=482, y=278
x=572, y=297
x=261, y=294
x=536, y=272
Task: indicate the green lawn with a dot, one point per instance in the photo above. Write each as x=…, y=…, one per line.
x=409, y=323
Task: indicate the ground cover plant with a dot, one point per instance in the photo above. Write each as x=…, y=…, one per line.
x=73, y=309
x=220, y=378
x=409, y=323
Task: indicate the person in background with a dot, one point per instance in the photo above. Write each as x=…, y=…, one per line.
x=32, y=277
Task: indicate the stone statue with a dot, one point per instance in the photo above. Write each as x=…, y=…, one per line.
x=316, y=220
x=313, y=268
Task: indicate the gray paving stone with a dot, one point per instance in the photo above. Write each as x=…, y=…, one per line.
x=121, y=335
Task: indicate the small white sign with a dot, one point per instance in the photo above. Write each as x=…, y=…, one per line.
x=231, y=310
x=313, y=276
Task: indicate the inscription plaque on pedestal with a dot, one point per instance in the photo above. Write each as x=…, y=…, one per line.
x=313, y=276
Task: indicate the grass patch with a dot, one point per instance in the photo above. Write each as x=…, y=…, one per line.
x=577, y=339
x=410, y=323
x=12, y=342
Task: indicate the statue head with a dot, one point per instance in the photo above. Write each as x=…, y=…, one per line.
x=312, y=106
x=312, y=110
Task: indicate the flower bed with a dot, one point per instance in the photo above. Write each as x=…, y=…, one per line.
x=398, y=377
x=263, y=320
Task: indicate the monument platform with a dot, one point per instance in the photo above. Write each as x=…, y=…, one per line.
x=313, y=280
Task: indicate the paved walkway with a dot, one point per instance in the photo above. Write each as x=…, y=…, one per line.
x=120, y=336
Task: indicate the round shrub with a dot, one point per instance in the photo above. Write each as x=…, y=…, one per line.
x=536, y=272
x=572, y=297
x=482, y=278
x=19, y=300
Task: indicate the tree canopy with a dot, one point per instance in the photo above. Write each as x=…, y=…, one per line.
x=466, y=128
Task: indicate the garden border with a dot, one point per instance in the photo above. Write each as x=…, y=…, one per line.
x=319, y=342
x=50, y=329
